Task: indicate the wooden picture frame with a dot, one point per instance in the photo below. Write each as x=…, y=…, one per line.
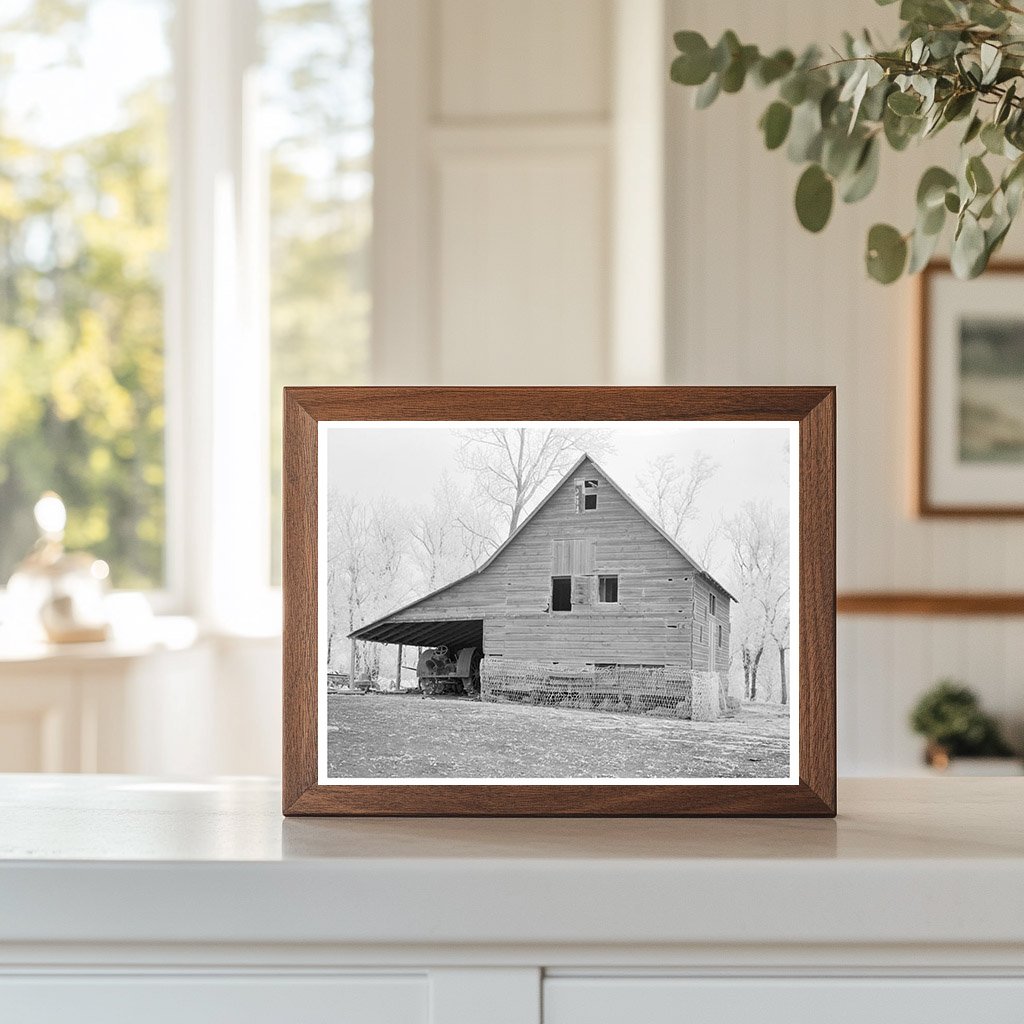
x=928, y=502
x=810, y=791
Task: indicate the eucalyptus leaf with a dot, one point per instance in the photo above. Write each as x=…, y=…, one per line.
x=978, y=176
x=932, y=221
x=775, y=124
x=987, y=15
x=957, y=106
x=1005, y=105
x=993, y=138
x=840, y=152
x=931, y=190
x=707, y=93
x=805, y=133
x=991, y=60
x=865, y=173
x=794, y=88
x=735, y=74
x=693, y=65
x=973, y=130
x=922, y=248
x=886, y=253
x=968, y=248
x=771, y=69
x=688, y=70
x=724, y=51
x=814, y=195
x=900, y=130
x=904, y=103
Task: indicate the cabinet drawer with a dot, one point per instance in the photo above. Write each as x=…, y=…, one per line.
x=783, y=1000
x=202, y=999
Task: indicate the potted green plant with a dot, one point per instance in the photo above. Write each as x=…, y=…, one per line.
x=950, y=718
x=956, y=62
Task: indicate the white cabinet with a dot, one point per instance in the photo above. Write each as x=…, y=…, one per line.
x=132, y=899
x=828, y=1000
x=202, y=999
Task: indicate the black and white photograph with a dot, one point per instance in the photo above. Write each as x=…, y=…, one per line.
x=558, y=601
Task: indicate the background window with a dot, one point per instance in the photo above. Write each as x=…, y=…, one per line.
x=317, y=120
x=83, y=237
x=712, y=603
x=608, y=589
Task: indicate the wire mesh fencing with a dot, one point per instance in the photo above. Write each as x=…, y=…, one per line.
x=664, y=691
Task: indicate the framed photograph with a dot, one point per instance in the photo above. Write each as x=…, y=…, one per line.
x=559, y=601
x=970, y=451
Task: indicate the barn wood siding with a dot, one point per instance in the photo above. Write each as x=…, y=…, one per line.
x=702, y=617
x=650, y=623
x=630, y=640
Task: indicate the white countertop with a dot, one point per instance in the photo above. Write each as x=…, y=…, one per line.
x=120, y=859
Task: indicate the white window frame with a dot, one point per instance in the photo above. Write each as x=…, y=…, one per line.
x=218, y=512
x=216, y=443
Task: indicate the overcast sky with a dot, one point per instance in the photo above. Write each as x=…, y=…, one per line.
x=402, y=462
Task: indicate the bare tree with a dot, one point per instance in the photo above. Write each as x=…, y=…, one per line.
x=448, y=538
x=760, y=543
x=512, y=464
x=670, y=491
x=365, y=555
x=706, y=552
x=780, y=635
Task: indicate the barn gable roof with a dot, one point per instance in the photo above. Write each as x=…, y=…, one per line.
x=698, y=568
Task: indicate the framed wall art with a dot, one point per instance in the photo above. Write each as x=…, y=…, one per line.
x=559, y=601
x=970, y=444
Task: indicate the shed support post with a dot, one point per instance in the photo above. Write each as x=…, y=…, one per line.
x=398, y=669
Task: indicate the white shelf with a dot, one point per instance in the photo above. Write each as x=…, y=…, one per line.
x=120, y=859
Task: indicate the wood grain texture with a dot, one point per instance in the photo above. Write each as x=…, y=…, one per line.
x=813, y=407
x=925, y=603
x=299, y=595
x=923, y=503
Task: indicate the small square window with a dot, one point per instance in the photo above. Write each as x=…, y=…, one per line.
x=608, y=589
x=588, y=491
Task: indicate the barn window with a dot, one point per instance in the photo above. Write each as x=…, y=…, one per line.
x=561, y=593
x=586, y=495
x=712, y=603
x=700, y=634
x=608, y=589
x=720, y=635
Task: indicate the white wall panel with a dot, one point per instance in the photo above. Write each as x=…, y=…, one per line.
x=493, y=242
x=522, y=281
x=754, y=299
x=530, y=58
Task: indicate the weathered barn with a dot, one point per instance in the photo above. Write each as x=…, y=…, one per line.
x=588, y=596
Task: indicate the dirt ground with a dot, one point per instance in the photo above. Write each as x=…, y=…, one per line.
x=405, y=736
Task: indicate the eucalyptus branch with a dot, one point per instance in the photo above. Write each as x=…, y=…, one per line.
x=955, y=61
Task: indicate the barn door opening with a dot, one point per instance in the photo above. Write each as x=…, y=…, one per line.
x=561, y=593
